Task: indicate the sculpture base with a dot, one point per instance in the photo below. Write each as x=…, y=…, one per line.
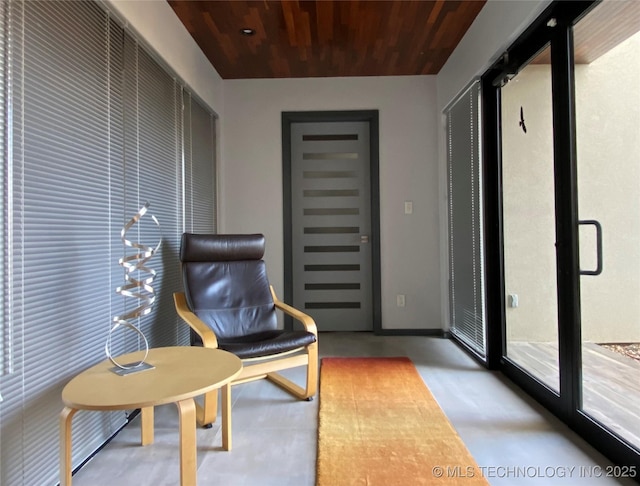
x=130, y=369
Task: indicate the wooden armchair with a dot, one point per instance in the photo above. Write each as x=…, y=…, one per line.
x=229, y=304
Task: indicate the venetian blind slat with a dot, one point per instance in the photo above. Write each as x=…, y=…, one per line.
x=466, y=255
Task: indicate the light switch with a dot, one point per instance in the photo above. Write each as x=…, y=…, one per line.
x=408, y=207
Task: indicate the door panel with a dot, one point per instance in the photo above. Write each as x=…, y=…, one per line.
x=608, y=177
x=529, y=223
x=331, y=224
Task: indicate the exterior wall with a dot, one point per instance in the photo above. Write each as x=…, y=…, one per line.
x=529, y=206
x=608, y=146
x=251, y=177
x=608, y=128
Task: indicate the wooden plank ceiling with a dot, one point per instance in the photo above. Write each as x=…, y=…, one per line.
x=312, y=38
x=609, y=24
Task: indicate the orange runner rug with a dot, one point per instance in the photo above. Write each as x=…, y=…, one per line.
x=379, y=425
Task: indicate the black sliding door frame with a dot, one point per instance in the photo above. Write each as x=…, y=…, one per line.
x=553, y=28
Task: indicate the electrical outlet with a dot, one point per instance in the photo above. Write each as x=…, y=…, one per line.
x=400, y=300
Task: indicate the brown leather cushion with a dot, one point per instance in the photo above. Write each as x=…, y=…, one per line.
x=226, y=286
x=263, y=343
x=232, y=298
x=220, y=248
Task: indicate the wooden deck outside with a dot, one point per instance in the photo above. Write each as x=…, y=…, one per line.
x=611, y=382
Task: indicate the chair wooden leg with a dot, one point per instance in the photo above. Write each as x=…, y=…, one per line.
x=312, y=377
x=312, y=371
x=287, y=385
x=207, y=413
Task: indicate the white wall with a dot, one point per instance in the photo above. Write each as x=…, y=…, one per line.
x=498, y=25
x=251, y=177
x=156, y=23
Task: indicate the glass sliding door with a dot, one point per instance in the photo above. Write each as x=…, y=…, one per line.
x=607, y=87
x=562, y=107
x=528, y=217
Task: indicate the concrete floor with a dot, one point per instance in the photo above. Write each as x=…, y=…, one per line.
x=513, y=439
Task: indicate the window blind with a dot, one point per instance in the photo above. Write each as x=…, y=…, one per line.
x=202, y=169
x=153, y=174
x=187, y=165
x=61, y=278
x=466, y=253
x=199, y=170
x=5, y=363
x=93, y=130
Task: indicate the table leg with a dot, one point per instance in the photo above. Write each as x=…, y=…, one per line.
x=65, y=445
x=188, y=459
x=146, y=426
x=226, y=417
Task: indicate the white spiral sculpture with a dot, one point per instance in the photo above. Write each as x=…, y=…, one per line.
x=139, y=289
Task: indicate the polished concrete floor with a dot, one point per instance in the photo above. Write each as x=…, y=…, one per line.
x=513, y=439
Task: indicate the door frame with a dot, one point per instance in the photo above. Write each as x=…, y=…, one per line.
x=371, y=116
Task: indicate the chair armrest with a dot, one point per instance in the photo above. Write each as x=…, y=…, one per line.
x=306, y=320
x=208, y=337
